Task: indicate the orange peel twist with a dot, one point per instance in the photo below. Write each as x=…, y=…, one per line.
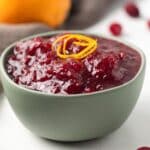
x=88, y=43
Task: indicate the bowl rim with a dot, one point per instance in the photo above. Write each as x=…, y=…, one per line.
x=51, y=33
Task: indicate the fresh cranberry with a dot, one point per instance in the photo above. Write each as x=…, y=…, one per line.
x=27, y=60
x=144, y=148
x=115, y=29
x=132, y=9
x=148, y=23
x=107, y=63
x=74, y=86
x=75, y=65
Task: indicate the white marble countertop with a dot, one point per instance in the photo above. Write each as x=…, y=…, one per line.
x=136, y=130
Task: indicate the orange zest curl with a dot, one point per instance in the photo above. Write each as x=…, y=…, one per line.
x=88, y=43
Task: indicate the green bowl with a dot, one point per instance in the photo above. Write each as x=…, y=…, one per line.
x=72, y=117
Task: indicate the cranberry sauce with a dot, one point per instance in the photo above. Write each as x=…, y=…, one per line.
x=34, y=65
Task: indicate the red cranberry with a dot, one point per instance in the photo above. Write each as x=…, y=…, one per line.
x=115, y=29
x=56, y=90
x=27, y=60
x=34, y=76
x=144, y=148
x=132, y=9
x=37, y=39
x=31, y=51
x=75, y=65
x=107, y=63
x=148, y=23
x=46, y=47
x=74, y=86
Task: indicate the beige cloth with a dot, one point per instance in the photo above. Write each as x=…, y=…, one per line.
x=84, y=13
x=12, y=33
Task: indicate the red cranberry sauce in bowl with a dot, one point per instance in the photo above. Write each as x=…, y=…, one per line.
x=72, y=64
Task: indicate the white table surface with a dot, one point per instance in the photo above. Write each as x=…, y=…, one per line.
x=136, y=130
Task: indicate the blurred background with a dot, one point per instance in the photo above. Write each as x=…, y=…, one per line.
x=19, y=19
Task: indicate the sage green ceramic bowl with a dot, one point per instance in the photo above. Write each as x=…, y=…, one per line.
x=72, y=117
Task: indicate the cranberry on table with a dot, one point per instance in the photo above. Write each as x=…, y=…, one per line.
x=35, y=65
x=115, y=28
x=148, y=23
x=132, y=9
x=144, y=148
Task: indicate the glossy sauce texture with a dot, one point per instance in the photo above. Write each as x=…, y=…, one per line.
x=35, y=65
